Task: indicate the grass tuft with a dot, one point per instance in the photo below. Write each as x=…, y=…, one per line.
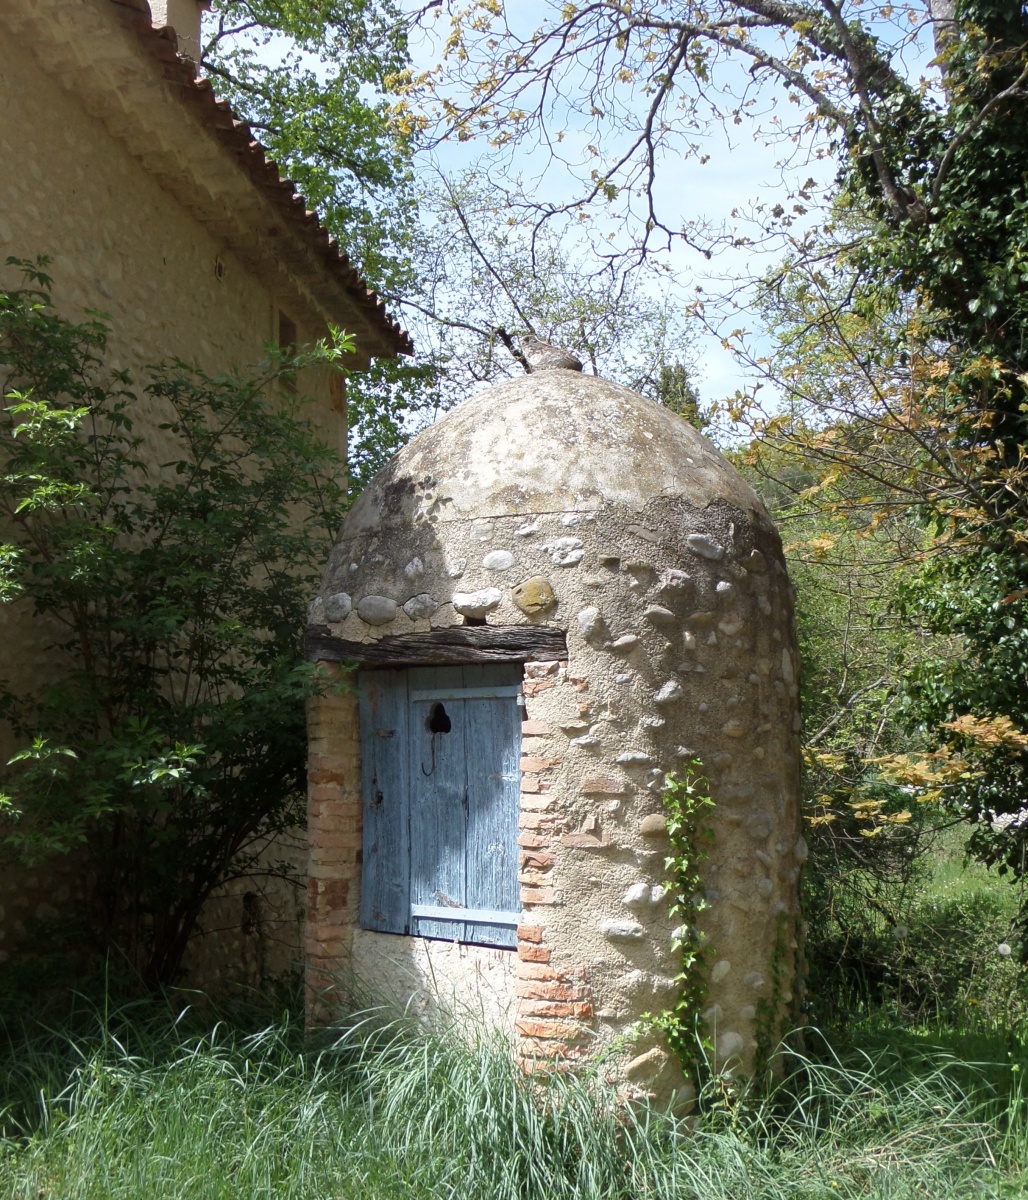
x=142, y=1106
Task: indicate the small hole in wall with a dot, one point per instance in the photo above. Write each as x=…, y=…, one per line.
x=220, y=270
x=475, y=621
x=438, y=720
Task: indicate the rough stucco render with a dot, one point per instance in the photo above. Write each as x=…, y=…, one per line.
x=561, y=499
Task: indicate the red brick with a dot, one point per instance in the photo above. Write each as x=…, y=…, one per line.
x=536, y=803
x=531, y=971
x=538, y=954
x=532, y=840
x=323, y=775
x=325, y=791
x=566, y=1031
x=548, y=991
x=531, y=785
x=530, y=933
x=547, y=1050
x=578, y=683
x=533, y=878
x=534, y=729
x=538, y=895
x=585, y=1010
x=333, y=893
x=584, y=841
x=532, y=687
x=323, y=840
x=538, y=858
x=546, y=1008
x=535, y=765
x=528, y=820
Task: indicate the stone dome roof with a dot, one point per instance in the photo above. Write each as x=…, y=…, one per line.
x=552, y=441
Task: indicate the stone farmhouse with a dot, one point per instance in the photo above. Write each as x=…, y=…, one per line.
x=158, y=206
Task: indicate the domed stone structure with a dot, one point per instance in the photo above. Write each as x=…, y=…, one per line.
x=556, y=595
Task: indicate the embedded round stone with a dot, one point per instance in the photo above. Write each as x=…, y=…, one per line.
x=730, y=1044
x=316, y=612
x=534, y=595
x=498, y=560
x=653, y=825
x=376, y=610
x=635, y=758
x=675, y=582
x=705, y=547
x=756, y=563
x=734, y=729
x=476, y=604
x=731, y=625
x=591, y=626
x=637, y=895
x=645, y=1066
x=625, y=642
x=414, y=569
x=759, y=826
x=565, y=551
x=338, y=606
x=457, y=569
x=420, y=607
x=719, y=970
x=622, y=931
x=671, y=691
x=656, y=614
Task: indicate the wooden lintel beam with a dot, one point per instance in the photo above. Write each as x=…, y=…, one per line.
x=440, y=647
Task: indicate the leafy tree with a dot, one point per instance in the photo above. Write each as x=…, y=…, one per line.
x=168, y=743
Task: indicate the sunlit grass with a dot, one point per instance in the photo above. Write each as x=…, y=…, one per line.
x=142, y=1108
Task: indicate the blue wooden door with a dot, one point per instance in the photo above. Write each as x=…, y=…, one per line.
x=446, y=783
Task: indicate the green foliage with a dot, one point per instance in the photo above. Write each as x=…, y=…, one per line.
x=688, y=805
x=136, y=1107
x=313, y=80
x=167, y=742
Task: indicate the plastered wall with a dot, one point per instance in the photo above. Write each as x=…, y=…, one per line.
x=119, y=242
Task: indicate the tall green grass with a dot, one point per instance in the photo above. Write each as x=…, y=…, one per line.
x=144, y=1108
